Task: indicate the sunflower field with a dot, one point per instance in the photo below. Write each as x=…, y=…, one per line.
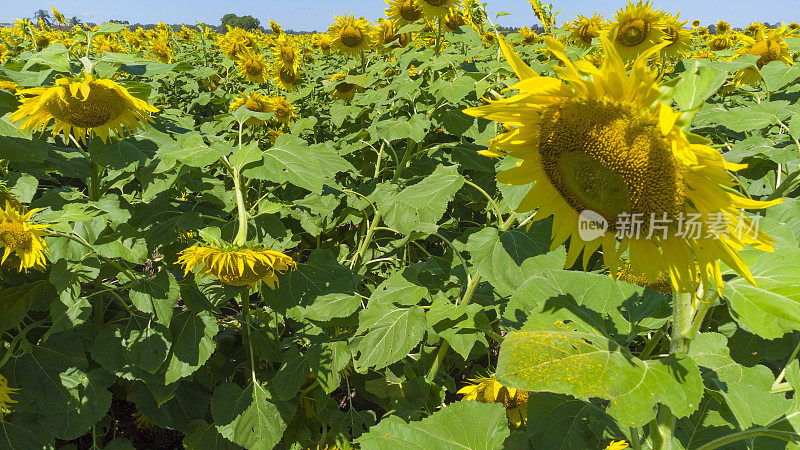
x=419, y=232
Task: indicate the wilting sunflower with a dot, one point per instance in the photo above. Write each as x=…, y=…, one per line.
x=723, y=27
x=769, y=46
x=99, y=105
x=584, y=29
x=252, y=67
x=5, y=396
x=286, y=77
x=528, y=36
x=161, y=50
x=25, y=239
x=237, y=266
x=434, y=9
x=58, y=16
x=636, y=29
x=754, y=29
x=489, y=390
x=283, y=109
x=679, y=38
x=349, y=35
x=287, y=51
x=605, y=147
x=403, y=12
x=720, y=42
x=254, y=102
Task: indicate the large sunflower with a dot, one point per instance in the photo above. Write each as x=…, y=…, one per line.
x=287, y=51
x=236, y=266
x=252, y=67
x=77, y=107
x=679, y=38
x=603, y=148
x=636, y=29
x=285, y=76
x=403, y=12
x=584, y=29
x=489, y=390
x=769, y=46
x=349, y=35
x=283, y=109
x=254, y=102
x=434, y=9
x=25, y=239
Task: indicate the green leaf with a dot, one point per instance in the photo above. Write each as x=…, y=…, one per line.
x=245, y=156
x=562, y=422
x=193, y=343
x=777, y=75
x=460, y=425
x=54, y=56
x=202, y=435
x=156, y=296
x=565, y=361
x=753, y=117
x=699, y=82
x=15, y=302
x=249, y=417
x=292, y=160
x=772, y=308
x=397, y=289
x=389, y=334
x=419, y=207
x=189, y=403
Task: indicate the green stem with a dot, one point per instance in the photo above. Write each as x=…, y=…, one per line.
x=488, y=197
x=789, y=361
x=651, y=344
x=241, y=209
x=636, y=443
x=749, y=434
x=786, y=185
x=700, y=315
x=245, y=295
x=439, y=36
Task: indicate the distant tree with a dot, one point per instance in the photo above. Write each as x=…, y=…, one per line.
x=42, y=14
x=244, y=22
x=121, y=22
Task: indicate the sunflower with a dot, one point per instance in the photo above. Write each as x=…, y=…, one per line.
x=754, y=29
x=95, y=104
x=604, y=148
x=403, y=12
x=385, y=36
x=434, y=9
x=489, y=390
x=236, y=266
x=635, y=29
x=236, y=41
x=58, y=16
x=768, y=46
x=454, y=20
x=254, y=102
x=349, y=35
x=584, y=29
x=626, y=274
x=528, y=36
x=8, y=85
x=287, y=52
x=720, y=42
x=324, y=44
x=5, y=396
x=283, y=109
x=276, y=28
x=695, y=23
x=161, y=51
x=285, y=77
x=679, y=38
x=24, y=238
x=341, y=88
x=252, y=67
x=617, y=445
x=723, y=27
x=703, y=54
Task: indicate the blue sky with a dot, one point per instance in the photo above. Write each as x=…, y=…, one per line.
x=318, y=14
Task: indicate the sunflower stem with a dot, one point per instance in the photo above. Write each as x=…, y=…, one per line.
x=245, y=295
x=439, y=36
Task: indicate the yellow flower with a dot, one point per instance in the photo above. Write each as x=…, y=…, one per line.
x=695, y=23
x=720, y=42
x=603, y=144
x=635, y=29
x=349, y=35
x=286, y=77
x=25, y=239
x=77, y=107
x=236, y=41
x=342, y=89
x=454, y=20
x=489, y=390
x=254, y=102
x=58, y=16
x=617, y=445
x=584, y=29
x=324, y=44
x=403, y=12
x=283, y=109
x=236, y=266
x=161, y=50
x=9, y=85
x=528, y=36
x=5, y=396
x=252, y=67
x=287, y=52
x=276, y=28
x=385, y=36
x=768, y=46
x=723, y=27
x=679, y=38
x=434, y=9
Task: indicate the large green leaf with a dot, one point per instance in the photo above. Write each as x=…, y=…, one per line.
x=559, y=422
x=562, y=360
x=461, y=425
x=388, y=334
x=420, y=206
x=698, y=83
x=248, y=416
x=193, y=343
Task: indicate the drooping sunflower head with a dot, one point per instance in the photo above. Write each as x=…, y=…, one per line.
x=340, y=88
x=769, y=46
x=720, y=42
x=161, y=50
x=5, y=396
x=403, y=12
x=584, y=29
x=236, y=266
x=286, y=76
x=287, y=51
x=255, y=102
x=793, y=28
x=349, y=35
x=489, y=390
x=754, y=29
x=323, y=42
x=599, y=146
x=283, y=109
x=723, y=27
x=252, y=67
x=528, y=36
x=636, y=29
x=679, y=38
x=454, y=19
x=434, y=9
x=77, y=107
x=276, y=28
x=385, y=35
x=22, y=237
